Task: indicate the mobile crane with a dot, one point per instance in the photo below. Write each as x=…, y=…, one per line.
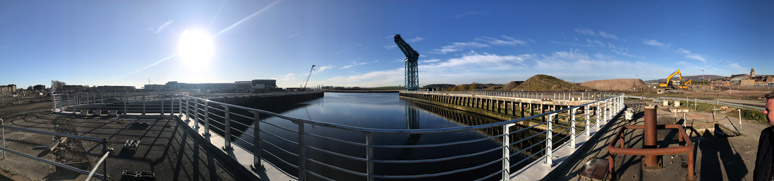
x=307, y=77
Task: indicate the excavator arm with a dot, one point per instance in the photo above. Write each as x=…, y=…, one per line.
x=669, y=79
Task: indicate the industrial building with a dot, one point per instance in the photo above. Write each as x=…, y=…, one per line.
x=7, y=89
x=257, y=85
x=751, y=79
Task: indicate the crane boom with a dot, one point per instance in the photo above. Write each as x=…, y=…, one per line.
x=406, y=48
x=412, y=70
x=307, y=77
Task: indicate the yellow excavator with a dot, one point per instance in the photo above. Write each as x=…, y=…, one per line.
x=671, y=84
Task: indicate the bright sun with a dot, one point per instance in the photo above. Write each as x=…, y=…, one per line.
x=195, y=48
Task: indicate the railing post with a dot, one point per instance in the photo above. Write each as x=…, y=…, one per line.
x=162, y=106
x=187, y=113
x=196, y=115
x=53, y=100
x=586, y=112
x=227, y=127
x=172, y=106
x=61, y=103
x=301, y=152
x=126, y=99
x=67, y=104
x=572, y=126
x=597, y=114
x=143, y=105
x=604, y=111
x=506, y=152
x=102, y=97
x=256, y=140
x=3, y=123
x=104, y=163
x=549, y=142
x=370, y=156
x=207, y=118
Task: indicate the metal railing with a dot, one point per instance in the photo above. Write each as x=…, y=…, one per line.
x=530, y=95
x=233, y=122
x=102, y=141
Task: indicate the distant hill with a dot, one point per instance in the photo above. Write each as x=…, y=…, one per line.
x=615, y=84
x=511, y=85
x=542, y=82
x=693, y=77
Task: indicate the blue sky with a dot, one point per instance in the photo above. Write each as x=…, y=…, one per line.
x=132, y=42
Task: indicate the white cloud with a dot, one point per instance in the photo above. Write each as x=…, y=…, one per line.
x=370, y=79
x=655, y=43
x=354, y=64
x=390, y=46
x=687, y=53
x=690, y=55
x=601, y=44
x=323, y=68
x=608, y=35
x=416, y=39
x=457, y=46
x=737, y=68
x=589, y=32
x=489, y=61
x=430, y=60
x=507, y=40
x=479, y=43
x=585, y=31
x=288, y=77
x=163, y=26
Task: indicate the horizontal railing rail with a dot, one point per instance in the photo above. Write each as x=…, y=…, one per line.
x=287, y=135
x=102, y=141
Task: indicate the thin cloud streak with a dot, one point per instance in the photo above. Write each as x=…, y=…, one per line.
x=163, y=26
x=246, y=18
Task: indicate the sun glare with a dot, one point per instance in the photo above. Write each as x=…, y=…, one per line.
x=195, y=48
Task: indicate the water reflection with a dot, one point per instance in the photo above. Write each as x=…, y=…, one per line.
x=379, y=110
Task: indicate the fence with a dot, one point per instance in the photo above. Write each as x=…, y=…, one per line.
x=224, y=119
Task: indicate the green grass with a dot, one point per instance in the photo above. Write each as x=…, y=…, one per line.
x=747, y=114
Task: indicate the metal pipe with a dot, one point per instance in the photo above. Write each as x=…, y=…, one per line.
x=650, y=134
x=96, y=165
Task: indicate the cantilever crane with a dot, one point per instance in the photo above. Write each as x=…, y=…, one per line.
x=412, y=71
x=307, y=77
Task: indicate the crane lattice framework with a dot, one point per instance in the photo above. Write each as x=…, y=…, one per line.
x=412, y=70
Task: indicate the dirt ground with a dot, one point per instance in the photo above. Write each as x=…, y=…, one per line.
x=615, y=84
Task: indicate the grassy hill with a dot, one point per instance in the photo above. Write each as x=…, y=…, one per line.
x=542, y=82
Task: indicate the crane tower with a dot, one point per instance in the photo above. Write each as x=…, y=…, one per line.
x=412, y=71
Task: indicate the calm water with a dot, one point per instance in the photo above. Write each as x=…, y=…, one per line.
x=377, y=110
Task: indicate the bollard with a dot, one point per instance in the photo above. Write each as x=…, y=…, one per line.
x=650, y=135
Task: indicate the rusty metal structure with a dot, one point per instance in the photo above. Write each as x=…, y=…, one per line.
x=649, y=150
